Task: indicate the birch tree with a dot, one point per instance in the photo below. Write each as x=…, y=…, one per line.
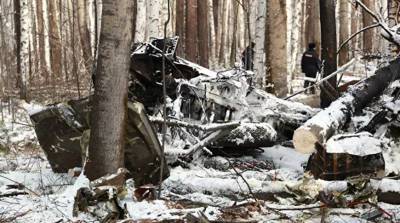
x=18, y=51
x=153, y=18
x=259, y=39
x=106, y=147
x=140, y=33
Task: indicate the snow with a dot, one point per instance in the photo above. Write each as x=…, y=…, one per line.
x=359, y=144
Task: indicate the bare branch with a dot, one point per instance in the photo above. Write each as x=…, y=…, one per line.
x=355, y=34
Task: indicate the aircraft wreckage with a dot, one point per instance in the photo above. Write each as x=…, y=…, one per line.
x=207, y=111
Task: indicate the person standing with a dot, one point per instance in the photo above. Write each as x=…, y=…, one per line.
x=310, y=65
x=248, y=56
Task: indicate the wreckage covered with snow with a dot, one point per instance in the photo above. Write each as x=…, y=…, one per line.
x=216, y=113
x=206, y=109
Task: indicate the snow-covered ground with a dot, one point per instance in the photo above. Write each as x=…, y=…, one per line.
x=215, y=187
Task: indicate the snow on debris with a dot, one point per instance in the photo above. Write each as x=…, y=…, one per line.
x=359, y=144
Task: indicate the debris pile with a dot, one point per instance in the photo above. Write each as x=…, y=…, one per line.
x=219, y=126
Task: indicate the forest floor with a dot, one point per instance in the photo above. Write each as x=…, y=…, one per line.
x=31, y=192
x=250, y=186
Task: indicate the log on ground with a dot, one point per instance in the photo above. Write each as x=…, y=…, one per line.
x=329, y=121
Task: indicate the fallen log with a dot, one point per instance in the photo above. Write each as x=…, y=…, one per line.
x=329, y=121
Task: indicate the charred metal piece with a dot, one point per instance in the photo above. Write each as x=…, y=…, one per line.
x=60, y=127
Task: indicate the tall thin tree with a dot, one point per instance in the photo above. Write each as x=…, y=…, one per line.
x=191, y=34
x=328, y=47
x=203, y=31
x=18, y=45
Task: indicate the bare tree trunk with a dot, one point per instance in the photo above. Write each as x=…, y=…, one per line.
x=180, y=26
x=153, y=18
x=54, y=40
x=191, y=37
x=312, y=28
x=344, y=30
x=367, y=21
x=355, y=26
x=234, y=34
x=18, y=44
x=40, y=33
x=277, y=46
x=221, y=29
x=106, y=148
x=259, y=50
x=203, y=31
x=75, y=71
x=84, y=35
x=140, y=34
x=212, y=29
x=328, y=46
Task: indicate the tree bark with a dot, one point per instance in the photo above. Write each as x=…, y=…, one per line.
x=367, y=21
x=40, y=34
x=54, y=40
x=259, y=50
x=106, y=150
x=153, y=18
x=84, y=36
x=180, y=26
x=328, y=46
x=311, y=27
x=18, y=44
x=191, y=37
x=344, y=30
x=140, y=32
x=330, y=120
x=277, y=46
x=203, y=31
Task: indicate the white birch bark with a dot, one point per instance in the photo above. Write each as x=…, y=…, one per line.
x=140, y=32
x=212, y=35
x=259, y=49
x=153, y=18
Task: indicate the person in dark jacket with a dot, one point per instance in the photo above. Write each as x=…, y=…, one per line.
x=248, y=56
x=310, y=65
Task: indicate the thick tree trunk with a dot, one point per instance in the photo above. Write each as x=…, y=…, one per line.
x=344, y=30
x=191, y=37
x=106, y=150
x=330, y=120
x=277, y=46
x=203, y=31
x=328, y=46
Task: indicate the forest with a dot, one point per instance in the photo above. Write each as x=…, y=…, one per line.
x=199, y=111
